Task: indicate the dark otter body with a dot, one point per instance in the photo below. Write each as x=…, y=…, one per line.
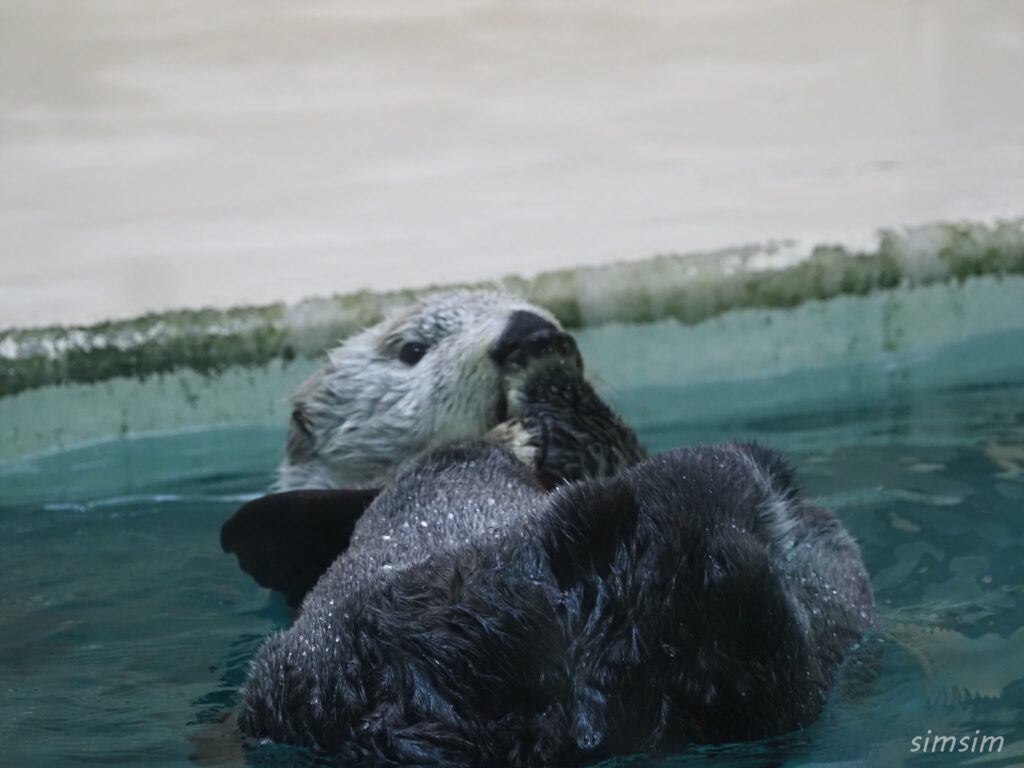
x=476, y=619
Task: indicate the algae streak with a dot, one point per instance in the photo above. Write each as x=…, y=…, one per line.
x=689, y=288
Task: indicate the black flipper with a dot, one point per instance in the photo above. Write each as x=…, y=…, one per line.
x=286, y=541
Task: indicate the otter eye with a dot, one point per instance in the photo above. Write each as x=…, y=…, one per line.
x=412, y=352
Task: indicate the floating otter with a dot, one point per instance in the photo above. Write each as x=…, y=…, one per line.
x=441, y=370
x=478, y=619
x=475, y=616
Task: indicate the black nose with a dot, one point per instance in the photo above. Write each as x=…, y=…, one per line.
x=521, y=325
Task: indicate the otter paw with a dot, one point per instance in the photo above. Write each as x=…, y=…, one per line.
x=542, y=359
x=526, y=438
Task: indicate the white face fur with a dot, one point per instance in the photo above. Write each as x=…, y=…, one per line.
x=420, y=378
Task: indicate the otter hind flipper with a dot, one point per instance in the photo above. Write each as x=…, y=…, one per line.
x=286, y=541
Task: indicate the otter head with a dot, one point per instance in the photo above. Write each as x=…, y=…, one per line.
x=425, y=376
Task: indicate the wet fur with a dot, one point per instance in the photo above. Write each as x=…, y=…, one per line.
x=477, y=620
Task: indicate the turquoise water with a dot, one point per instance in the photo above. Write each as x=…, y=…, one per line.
x=125, y=632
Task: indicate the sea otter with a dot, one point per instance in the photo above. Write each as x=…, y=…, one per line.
x=479, y=619
x=475, y=616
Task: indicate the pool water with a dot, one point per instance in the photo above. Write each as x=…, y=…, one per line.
x=125, y=632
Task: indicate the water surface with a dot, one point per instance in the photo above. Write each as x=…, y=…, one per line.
x=125, y=632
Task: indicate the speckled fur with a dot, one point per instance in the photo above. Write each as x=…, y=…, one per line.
x=477, y=620
x=365, y=411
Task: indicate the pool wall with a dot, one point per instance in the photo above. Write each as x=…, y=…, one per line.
x=703, y=318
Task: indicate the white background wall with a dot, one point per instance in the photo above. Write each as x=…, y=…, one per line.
x=184, y=153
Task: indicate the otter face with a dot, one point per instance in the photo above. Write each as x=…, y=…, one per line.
x=423, y=377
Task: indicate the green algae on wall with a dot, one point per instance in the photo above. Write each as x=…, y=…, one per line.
x=773, y=352
x=689, y=288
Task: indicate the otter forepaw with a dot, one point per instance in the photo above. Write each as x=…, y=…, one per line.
x=526, y=438
x=542, y=359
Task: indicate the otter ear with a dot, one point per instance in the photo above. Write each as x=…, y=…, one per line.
x=286, y=541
